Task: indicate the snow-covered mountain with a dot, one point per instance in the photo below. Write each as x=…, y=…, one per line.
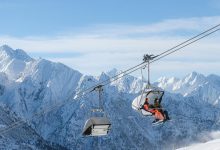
x=194, y=84
x=13, y=62
x=21, y=136
x=29, y=86
x=127, y=84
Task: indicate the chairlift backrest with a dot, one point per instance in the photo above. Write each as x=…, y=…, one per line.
x=154, y=94
x=151, y=95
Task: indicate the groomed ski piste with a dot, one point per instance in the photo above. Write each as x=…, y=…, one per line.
x=210, y=145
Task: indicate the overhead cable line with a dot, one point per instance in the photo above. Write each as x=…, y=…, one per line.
x=198, y=35
x=174, y=50
x=161, y=55
x=107, y=81
x=118, y=76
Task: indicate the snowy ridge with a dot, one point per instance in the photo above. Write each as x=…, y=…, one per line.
x=184, y=86
x=13, y=62
x=194, y=84
x=127, y=83
x=42, y=84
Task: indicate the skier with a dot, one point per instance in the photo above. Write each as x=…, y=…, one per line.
x=156, y=110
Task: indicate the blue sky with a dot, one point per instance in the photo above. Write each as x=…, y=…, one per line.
x=119, y=31
x=52, y=17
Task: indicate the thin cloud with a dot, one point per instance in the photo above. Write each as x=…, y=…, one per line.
x=102, y=47
x=166, y=26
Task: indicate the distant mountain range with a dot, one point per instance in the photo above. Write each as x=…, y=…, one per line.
x=29, y=86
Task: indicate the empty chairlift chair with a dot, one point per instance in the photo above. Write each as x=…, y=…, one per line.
x=97, y=126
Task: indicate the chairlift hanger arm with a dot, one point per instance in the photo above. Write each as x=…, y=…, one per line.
x=148, y=57
x=97, y=88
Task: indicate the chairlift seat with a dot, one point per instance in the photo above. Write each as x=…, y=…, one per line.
x=96, y=126
x=151, y=94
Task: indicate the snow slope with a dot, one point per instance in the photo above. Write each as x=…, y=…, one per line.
x=194, y=84
x=13, y=62
x=210, y=145
x=41, y=84
x=21, y=137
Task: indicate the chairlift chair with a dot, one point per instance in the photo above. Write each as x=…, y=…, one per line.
x=151, y=94
x=97, y=126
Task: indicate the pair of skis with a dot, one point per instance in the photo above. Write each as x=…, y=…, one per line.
x=160, y=122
